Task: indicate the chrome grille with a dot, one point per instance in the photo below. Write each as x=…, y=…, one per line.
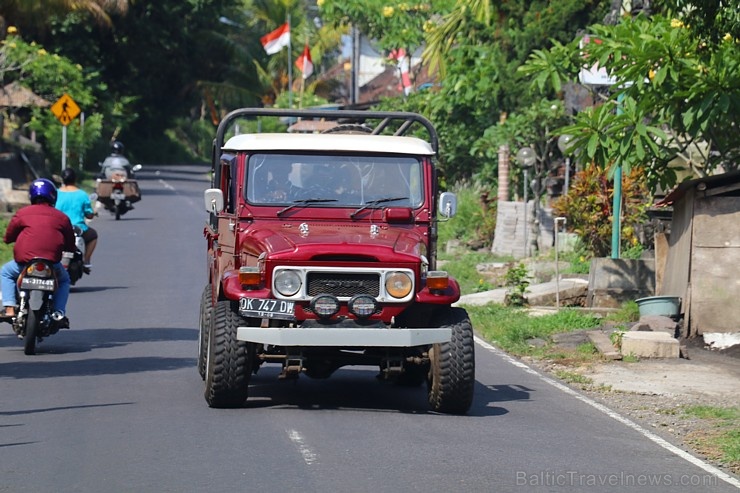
x=342, y=284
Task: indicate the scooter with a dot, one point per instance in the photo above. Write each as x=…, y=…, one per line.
x=117, y=192
x=35, y=318
x=74, y=261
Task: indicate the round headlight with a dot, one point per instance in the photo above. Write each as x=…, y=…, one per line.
x=287, y=282
x=325, y=305
x=398, y=284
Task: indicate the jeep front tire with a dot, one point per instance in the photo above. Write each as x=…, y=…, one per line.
x=229, y=361
x=451, y=379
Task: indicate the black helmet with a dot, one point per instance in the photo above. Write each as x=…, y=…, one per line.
x=42, y=190
x=117, y=147
x=69, y=176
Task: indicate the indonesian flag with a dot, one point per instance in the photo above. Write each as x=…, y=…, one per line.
x=403, y=66
x=304, y=62
x=277, y=39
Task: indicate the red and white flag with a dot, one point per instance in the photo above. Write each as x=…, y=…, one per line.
x=277, y=39
x=304, y=62
x=403, y=66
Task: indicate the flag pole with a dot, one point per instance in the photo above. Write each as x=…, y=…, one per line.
x=303, y=76
x=290, y=66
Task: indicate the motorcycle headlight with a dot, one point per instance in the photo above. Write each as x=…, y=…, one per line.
x=287, y=282
x=398, y=284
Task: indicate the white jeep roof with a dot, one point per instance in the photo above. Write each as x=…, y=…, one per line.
x=329, y=142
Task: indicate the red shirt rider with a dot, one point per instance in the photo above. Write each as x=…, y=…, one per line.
x=39, y=230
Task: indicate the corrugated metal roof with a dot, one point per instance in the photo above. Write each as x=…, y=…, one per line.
x=710, y=181
x=329, y=142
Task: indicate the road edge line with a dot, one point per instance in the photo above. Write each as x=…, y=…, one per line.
x=613, y=414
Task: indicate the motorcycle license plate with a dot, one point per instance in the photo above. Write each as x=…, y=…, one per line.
x=37, y=283
x=266, y=308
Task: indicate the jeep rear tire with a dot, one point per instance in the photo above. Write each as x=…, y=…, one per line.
x=204, y=325
x=451, y=379
x=229, y=361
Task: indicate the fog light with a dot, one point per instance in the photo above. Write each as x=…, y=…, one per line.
x=362, y=305
x=325, y=305
x=437, y=279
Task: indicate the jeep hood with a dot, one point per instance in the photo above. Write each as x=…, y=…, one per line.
x=306, y=242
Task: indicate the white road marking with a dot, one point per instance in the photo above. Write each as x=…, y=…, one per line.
x=600, y=407
x=187, y=199
x=309, y=456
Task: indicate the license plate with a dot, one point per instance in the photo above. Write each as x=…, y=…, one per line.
x=38, y=283
x=266, y=308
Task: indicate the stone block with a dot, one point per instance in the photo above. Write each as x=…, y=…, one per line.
x=650, y=345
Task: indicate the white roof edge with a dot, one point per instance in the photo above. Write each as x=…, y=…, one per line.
x=329, y=142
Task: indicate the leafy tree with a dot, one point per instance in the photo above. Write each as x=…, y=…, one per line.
x=677, y=93
x=51, y=76
x=33, y=17
x=480, y=45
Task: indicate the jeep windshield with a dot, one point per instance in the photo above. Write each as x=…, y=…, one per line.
x=292, y=180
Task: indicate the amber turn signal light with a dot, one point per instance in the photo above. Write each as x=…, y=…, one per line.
x=437, y=279
x=249, y=276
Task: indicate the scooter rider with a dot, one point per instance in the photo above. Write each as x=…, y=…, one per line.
x=116, y=161
x=39, y=231
x=75, y=203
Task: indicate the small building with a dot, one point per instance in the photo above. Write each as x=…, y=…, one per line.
x=701, y=259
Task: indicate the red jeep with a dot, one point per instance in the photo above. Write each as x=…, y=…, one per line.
x=321, y=254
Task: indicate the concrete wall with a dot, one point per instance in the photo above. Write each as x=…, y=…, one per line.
x=612, y=282
x=508, y=239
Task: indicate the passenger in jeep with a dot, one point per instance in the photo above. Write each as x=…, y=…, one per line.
x=279, y=187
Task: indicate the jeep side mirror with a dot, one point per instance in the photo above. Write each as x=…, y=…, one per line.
x=448, y=204
x=214, y=200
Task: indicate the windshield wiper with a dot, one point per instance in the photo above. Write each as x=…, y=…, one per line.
x=374, y=203
x=302, y=202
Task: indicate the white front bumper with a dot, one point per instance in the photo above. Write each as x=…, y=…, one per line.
x=344, y=337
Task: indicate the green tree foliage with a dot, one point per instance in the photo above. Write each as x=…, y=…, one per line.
x=481, y=45
x=50, y=76
x=676, y=93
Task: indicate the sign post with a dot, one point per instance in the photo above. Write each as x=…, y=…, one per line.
x=66, y=110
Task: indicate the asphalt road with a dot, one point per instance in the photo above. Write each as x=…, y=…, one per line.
x=116, y=403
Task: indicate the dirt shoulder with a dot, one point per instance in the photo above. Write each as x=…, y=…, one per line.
x=657, y=393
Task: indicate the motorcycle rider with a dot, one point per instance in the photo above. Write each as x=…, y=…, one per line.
x=116, y=161
x=39, y=231
x=75, y=203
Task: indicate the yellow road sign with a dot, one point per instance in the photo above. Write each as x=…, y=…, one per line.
x=65, y=109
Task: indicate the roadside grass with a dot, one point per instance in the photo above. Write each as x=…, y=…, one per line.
x=722, y=441
x=463, y=268
x=6, y=251
x=511, y=328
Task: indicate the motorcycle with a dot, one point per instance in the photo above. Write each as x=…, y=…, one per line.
x=117, y=191
x=74, y=261
x=36, y=318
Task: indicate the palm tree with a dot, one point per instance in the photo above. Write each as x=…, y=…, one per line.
x=442, y=39
x=34, y=16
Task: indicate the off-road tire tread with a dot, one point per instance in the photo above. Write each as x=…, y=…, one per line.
x=227, y=382
x=204, y=324
x=451, y=379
